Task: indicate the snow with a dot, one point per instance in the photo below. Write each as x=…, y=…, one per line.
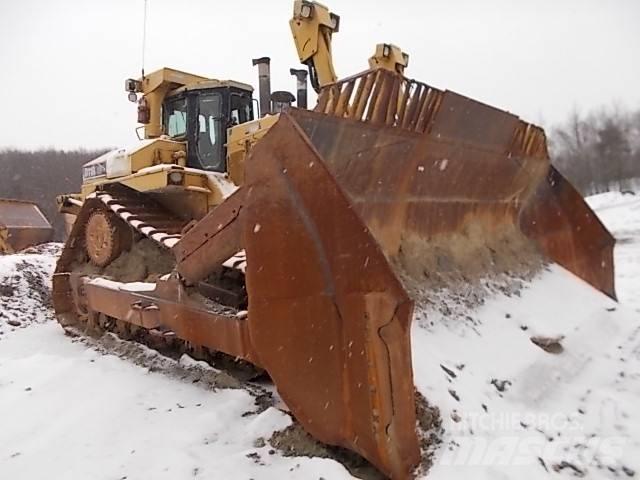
x=577, y=406
x=170, y=242
x=621, y=214
x=222, y=183
x=78, y=414
x=127, y=287
x=510, y=410
x=25, y=280
x=239, y=260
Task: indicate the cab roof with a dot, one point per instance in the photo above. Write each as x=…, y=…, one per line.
x=213, y=83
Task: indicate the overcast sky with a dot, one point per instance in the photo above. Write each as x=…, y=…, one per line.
x=64, y=62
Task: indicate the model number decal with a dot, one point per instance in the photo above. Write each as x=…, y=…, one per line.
x=94, y=171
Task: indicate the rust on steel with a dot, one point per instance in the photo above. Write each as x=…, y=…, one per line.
x=169, y=308
x=335, y=343
x=212, y=240
x=558, y=218
x=328, y=317
x=452, y=161
x=22, y=225
x=381, y=97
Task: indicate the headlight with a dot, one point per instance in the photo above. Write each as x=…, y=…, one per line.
x=335, y=22
x=175, y=178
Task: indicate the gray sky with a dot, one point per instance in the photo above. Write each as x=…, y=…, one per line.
x=64, y=62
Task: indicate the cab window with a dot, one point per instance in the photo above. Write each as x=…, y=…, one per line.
x=210, y=129
x=241, y=109
x=176, y=117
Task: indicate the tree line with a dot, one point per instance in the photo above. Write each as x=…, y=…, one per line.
x=599, y=151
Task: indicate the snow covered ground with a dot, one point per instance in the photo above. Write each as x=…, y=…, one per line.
x=510, y=409
x=621, y=215
x=72, y=412
x=24, y=287
x=514, y=410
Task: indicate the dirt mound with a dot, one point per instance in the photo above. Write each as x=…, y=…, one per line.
x=429, y=432
x=293, y=441
x=454, y=275
x=468, y=255
x=145, y=262
x=25, y=287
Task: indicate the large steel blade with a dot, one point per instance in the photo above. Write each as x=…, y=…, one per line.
x=470, y=177
x=328, y=318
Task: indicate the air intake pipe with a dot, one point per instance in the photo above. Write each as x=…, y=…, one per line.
x=281, y=100
x=264, y=81
x=301, y=86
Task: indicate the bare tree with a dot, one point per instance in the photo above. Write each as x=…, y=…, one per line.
x=598, y=151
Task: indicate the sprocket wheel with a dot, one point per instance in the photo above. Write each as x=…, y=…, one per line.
x=103, y=238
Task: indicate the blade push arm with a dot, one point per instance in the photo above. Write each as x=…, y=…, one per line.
x=389, y=57
x=312, y=26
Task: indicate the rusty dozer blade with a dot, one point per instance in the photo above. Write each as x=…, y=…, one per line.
x=22, y=225
x=443, y=179
x=328, y=319
x=337, y=205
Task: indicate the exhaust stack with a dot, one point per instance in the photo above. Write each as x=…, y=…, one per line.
x=301, y=86
x=264, y=80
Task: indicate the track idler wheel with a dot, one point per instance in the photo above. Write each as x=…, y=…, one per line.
x=105, y=237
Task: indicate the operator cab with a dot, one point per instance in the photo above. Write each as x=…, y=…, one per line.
x=201, y=115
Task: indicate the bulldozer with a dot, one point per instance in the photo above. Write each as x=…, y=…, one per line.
x=22, y=225
x=284, y=239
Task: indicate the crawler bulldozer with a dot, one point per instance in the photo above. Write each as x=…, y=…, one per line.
x=22, y=225
x=285, y=239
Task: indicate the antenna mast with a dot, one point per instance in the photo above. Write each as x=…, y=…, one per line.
x=144, y=35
